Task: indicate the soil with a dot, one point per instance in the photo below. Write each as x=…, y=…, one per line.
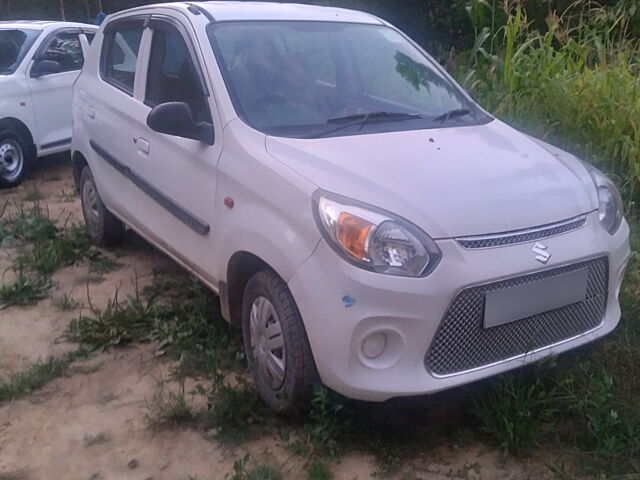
x=94, y=424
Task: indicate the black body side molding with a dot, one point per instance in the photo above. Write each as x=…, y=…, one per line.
x=194, y=223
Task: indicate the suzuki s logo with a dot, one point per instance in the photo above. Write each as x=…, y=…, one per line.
x=541, y=253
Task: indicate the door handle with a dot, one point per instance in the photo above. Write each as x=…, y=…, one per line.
x=91, y=112
x=143, y=145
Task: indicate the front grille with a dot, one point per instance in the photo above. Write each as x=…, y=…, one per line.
x=522, y=236
x=462, y=343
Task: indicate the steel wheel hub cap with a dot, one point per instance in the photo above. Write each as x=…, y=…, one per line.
x=267, y=343
x=90, y=205
x=11, y=159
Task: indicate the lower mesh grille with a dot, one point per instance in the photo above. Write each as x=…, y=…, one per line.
x=462, y=343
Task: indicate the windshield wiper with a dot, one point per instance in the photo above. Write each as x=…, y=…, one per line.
x=363, y=119
x=457, y=113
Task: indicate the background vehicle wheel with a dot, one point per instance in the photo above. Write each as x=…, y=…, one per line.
x=16, y=155
x=102, y=226
x=276, y=343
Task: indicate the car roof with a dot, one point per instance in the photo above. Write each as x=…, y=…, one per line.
x=240, y=10
x=42, y=24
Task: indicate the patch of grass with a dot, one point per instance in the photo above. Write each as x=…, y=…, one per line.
x=19, y=384
x=32, y=224
x=101, y=264
x=118, y=324
x=65, y=302
x=25, y=290
x=169, y=408
x=319, y=470
x=64, y=248
x=243, y=471
x=34, y=195
x=234, y=410
x=515, y=411
x=327, y=422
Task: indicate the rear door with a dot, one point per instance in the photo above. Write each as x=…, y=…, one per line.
x=51, y=94
x=105, y=100
x=176, y=197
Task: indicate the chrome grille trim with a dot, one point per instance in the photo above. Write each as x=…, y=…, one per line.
x=523, y=236
x=462, y=344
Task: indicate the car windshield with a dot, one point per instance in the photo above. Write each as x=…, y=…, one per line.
x=14, y=45
x=315, y=79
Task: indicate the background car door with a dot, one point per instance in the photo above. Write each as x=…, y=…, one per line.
x=176, y=200
x=51, y=94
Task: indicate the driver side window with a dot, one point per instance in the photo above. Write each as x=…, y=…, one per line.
x=172, y=76
x=65, y=49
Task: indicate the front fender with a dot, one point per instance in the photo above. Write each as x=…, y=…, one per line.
x=271, y=215
x=15, y=103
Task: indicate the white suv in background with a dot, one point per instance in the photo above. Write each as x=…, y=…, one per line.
x=39, y=63
x=365, y=222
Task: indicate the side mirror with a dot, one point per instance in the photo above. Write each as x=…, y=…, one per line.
x=45, y=67
x=176, y=118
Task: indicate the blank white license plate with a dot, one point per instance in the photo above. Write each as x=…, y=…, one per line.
x=521, y=301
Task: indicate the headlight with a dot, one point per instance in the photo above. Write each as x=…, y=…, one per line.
x=609, y=200
x=374, y=239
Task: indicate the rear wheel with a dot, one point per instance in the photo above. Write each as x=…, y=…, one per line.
x=101, y=225
x=16, y=155
x=276, y=343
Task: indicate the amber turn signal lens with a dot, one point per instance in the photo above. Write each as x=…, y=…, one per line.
x=352, y=233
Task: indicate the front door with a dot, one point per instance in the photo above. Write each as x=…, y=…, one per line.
x=51, y=94
x=175, y=198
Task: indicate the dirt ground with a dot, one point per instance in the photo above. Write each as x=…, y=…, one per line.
x=93, y=424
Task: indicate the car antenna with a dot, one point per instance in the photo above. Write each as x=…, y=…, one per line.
x=198, y=9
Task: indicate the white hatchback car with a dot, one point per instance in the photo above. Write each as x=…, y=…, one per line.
x=39, y=62
x=361, y=217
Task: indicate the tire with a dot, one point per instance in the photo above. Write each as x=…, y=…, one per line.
x=16, y=157
x=267, y=302
x=102, y=226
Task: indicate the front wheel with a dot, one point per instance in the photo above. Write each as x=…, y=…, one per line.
x=16, y=154
x=276, y=343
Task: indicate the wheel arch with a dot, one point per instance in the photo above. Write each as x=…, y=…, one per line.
x=21, y=128
x=78, y=162
x=241, y=267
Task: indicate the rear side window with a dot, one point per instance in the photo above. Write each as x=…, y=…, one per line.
x=120, y=56
x=65, y=49
x=172, y=76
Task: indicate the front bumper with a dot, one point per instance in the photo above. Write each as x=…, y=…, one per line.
x=341, y=305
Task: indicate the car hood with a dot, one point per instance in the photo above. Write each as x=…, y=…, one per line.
x=451, y=182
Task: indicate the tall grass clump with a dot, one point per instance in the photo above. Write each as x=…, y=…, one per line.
x=576, y=84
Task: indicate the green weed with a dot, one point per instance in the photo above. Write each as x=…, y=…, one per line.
x=19, y=384
x=241, y=471
x=327, y=422
x=319, y=470
x=169, y=408
x=63, y=248
x=234, y=410
x=65, y=302
x=515, y=410
x=33, y=195
x=24, y=290
x=118, y=324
